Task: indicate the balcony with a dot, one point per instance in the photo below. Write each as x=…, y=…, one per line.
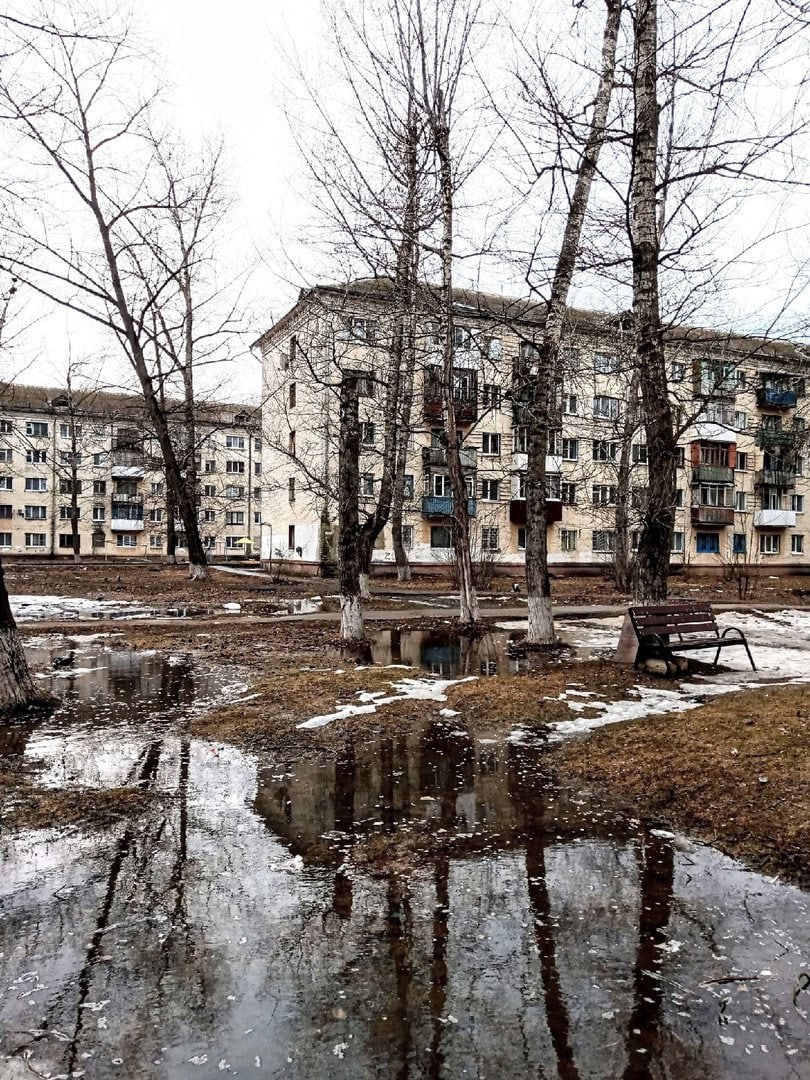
x=712, y=515
x=126, y=524
x=517, y=511
x=465, y=409
x=121, y=499
x=775, y=519
x=127, y=464
x=776, y=399
x=767, y=436
x=781, y=478
x=712, y=474
x=442, y=506
x=714, y=431
x=520, y=463
x=435, y=457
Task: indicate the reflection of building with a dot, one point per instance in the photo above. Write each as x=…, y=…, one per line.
x=100, y=445
x=741, y=403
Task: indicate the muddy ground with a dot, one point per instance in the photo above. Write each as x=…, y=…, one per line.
x=732, y=772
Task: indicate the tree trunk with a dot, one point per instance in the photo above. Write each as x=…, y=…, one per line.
x=540, y=629
x=351, y=610
x=16, y=685
x=655, y=543
x=623, y=569
x=171, y=529
x=469, y=613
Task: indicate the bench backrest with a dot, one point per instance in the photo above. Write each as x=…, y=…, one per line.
x=673, y=619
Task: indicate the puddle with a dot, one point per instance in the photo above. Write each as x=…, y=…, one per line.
x=32, y=609
x=423, y=905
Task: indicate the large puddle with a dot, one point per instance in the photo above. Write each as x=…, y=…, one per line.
x=427, y=905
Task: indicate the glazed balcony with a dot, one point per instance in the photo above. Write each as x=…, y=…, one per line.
x=128, y=464
x=775, y=519
x=712, y=474
x=776, y=399
x=767, y=436
x=435, y=457
x=780, y=478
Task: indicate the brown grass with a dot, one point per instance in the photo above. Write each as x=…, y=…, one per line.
x=45, y=808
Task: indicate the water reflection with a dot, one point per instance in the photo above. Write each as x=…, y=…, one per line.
x=420, y=905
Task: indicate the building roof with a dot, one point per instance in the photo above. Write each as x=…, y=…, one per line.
x=471, y=303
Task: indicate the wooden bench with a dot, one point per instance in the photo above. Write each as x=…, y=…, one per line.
x=663, y=630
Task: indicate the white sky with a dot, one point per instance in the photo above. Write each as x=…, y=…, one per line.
x=223, y=62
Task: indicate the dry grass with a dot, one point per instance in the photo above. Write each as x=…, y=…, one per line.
x=45, y=808
x=734, y=772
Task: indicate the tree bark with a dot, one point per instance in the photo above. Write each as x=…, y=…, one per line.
x=16, y=685
x=622, y=559
x=351, y=610
x=655, y=543
x=546, y=385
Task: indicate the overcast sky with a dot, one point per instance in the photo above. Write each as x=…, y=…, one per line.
x=223, y=63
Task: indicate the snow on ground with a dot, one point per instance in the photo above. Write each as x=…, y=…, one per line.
x=369, y=702
x=33, y=608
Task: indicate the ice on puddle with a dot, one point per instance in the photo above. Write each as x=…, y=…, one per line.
x=339, y=1050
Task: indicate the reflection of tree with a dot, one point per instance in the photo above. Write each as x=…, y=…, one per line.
x=400, y=935
x=438, y=965
x=530, y=792
x=657, y=885
x=345, y=793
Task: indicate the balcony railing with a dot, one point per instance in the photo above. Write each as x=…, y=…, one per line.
x=767, y=436
x=776, y=399
x=121, y=499
x=712, y=515
x=774, y=478
x=712, y=474
x=465, y=409
x=436, y=457
x=775, y=519
x=442, y=506
x=517, y=511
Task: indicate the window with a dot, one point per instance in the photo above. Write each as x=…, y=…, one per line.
x=491, y=395
x=126, y=540
x=521, y=538
x=520, y=440
x=490, y=443
x=571, y=359
x=605, y=363
x=441, y=486
x=37, y=430
x=740, y=501
x=6, y=455
x=234, y=517
x=6, y=483
x=441, y=536
x=677, y=371
x=68, y=431
x=257, y=468
x=604, y=541
x=489, y=490
x=639, y=453
x=36, y=513
x=707, y=543
x=291, y=489
x=368, y=434
x=407, y=490
x=156, y=489
x=99, y=487
x=605, y=408
x=36, y=457
x=209, y=516
x=677, y=543
x=155, y=541
x=569, y=404
x=568, y=539
x=367, y=485
x=407, y=536
x=234, y=466
x=35, y=540
x=604, y=495
x=797, y=503
x=769, y=543
x=356, y=328
x=67, y=457
x=796, y=544
x=568, y=493
x=741, y=464
x=99, y=460
x=98, y=513
x=680, y=456
x=156, y=516
x=65, y=540
x=291, y=537
x=234, y=491
x=5, y=539
x=35, y=483
x=234, y=442
x=291, y=395
x=6, y=427
x=800, y=466
x=740, y=421
x=69, y=487
x=366, y=384
x=209, y=490
x=714, y=495
x=490, y=538
x=66, y=513
x=679, y=498
x=257, y=517
x=604, y=451
x=257, y=445
x=739, y=544
x=570, y=449
x=5, y=510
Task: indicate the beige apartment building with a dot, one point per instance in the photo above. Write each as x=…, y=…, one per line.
x=740, y=402
x=99, y=444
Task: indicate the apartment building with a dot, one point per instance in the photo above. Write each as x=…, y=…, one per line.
x=96, y=450
x=740, y=403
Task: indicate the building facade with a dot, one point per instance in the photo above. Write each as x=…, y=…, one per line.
x=740, y=404
x=99, y=445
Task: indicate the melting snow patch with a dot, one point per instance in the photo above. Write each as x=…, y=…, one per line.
x=406, y=689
